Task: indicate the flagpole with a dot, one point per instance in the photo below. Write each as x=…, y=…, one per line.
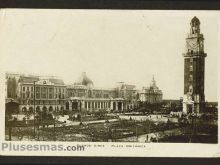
x=34, y=109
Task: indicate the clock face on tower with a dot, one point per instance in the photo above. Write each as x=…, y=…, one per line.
x=191, y=45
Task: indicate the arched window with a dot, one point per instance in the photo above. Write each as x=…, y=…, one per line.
x=31, y=110
x=50, y=109
x=67, y=105
x=57, y=108
x=24, y=109
x=37, y=109
x=44, y=108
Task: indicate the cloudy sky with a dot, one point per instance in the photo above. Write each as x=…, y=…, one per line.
x=110, y=46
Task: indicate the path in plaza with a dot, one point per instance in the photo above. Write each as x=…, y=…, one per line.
x=73, y=123
x=147, y=137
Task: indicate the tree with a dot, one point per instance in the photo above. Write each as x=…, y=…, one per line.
x=11, y=88
x=101, y=114
x=173, y=107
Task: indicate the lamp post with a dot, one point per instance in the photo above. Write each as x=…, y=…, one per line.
x=54, y=124
x=136, y=127
x=34, y=109
x=137, y=132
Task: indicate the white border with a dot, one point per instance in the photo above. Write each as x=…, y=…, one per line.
x=150, y=149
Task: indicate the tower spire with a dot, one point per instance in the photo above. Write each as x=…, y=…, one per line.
x=195, y=25
x=153, y=82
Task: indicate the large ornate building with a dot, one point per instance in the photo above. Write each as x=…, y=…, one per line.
x=49, y=92
x=52, y=94
x=82, y=95
x=194, y=70
x=151, y=94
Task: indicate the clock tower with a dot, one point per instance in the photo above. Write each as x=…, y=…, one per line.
x=194, y=70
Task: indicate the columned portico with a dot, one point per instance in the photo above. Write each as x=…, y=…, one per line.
x=116, y=105
x=111, y=105
x=78, y=104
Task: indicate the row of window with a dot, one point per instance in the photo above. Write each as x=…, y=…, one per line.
x=43, y=95
x=80, y=94
x=199, y=50
x=44, y=89
x=191, y=69
x=44, y=92
x=28, y=88
x=59, y=90
x=27, y=95
x=38, y=102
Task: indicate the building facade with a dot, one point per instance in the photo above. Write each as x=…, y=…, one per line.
x=128, y=93
x=194, y=70
x=52, y=94
x=83, y=96
x=151, y=94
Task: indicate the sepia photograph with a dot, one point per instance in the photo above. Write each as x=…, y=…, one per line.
x=109, y=76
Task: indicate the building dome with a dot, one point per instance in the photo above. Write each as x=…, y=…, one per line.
x=84, y=80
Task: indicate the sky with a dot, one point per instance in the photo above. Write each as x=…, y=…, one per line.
x=109, y=45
